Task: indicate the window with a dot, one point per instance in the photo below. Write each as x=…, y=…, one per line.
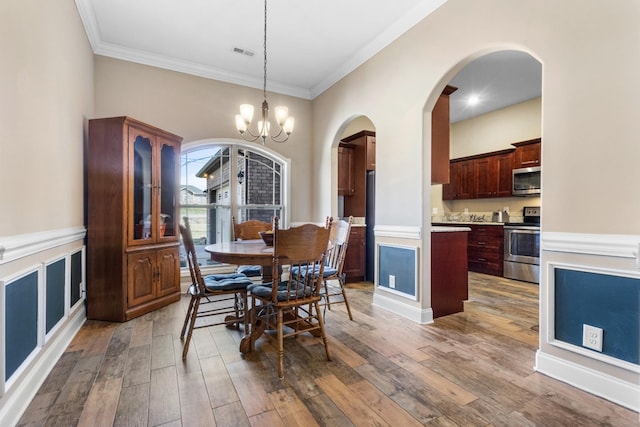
x=225, y=180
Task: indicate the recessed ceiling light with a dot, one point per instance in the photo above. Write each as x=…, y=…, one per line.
x=473, y=100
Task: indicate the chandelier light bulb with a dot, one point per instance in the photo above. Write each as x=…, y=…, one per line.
x=288, y=125
x=281, y=115
x=246, y=111
x=241, y=125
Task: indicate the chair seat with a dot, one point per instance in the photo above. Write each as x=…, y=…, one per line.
x=284, y=294
x=226, y=282
x=328, y=271
x=250, y=270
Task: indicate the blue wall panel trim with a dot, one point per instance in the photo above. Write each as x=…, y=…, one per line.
x=55, y=293
x=76, y=278
x=21, y=321
x=399, y=262
x=605, y=301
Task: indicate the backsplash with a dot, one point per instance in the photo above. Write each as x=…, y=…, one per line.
x=469, y=216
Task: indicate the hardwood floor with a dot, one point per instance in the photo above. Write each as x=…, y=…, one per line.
x=467, y=369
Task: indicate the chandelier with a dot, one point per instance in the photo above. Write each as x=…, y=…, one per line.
x=283, y=120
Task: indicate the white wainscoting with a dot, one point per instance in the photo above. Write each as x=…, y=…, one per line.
x=23, y=385
x=617, y=255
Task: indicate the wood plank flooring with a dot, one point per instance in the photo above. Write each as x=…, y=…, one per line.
x=467, y=369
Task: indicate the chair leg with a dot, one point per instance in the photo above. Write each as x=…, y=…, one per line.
x=326, y=293
x=194, y=315
x=322, y=331
x=187, y=317
x=245, y=312
x=344, y=296
x=280, y=345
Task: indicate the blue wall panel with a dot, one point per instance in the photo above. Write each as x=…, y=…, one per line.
x=55, y=293
x=76, y=277
x=399, y=262
x=605, y=301
x=21, y=321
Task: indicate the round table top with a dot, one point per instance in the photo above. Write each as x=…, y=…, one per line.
x=241, y=252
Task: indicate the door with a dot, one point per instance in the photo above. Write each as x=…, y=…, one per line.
x=141, y=275
x=169, y=268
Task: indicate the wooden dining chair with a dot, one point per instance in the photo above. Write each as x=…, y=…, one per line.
x=249, y=230
x=338, y=242
x=213, y=295
x=292, y=298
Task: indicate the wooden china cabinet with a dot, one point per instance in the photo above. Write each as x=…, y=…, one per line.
x=133, y=260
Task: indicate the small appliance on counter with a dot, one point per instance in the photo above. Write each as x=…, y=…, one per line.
x=500, y=216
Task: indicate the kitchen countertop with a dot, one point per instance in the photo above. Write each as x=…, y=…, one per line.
x=447, y=229
x=454, y=223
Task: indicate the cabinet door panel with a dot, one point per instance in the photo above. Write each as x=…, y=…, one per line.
x=140, y=276
x=169, y=265
x=355, y=258
x=141, y=186
x=169, y=174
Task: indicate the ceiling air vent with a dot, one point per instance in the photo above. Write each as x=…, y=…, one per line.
x=242, y=51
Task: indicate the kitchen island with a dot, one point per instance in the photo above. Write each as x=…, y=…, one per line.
x=449, y=277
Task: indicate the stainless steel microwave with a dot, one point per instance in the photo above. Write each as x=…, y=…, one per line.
x=526, y=181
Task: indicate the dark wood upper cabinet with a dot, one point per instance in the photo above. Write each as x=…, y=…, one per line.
x=362, y=145
x=482, y=176
x=345, y=171
x=528, y=153
x=493, y=175
x=440, y=135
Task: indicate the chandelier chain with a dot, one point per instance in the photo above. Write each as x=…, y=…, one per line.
x=264, y=86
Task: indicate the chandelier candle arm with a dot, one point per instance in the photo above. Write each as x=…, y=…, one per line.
x=244, y=119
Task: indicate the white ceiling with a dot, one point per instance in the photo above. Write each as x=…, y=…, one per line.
x=311, y=44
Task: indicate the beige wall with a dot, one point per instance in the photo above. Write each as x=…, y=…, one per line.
x=496, y=130
x=197, y=108
x=46, y=81
x=589, y=103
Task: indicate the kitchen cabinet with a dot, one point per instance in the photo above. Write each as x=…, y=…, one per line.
x=345, y=171
x=481, y=176
x=449, y=278
x=361, y=143
x=355, y=258
x=485, y=250
x=133, y=261
x=440, y=138
x=371, y=152
x=461, y=185
x=528, y=153
x=492, y=175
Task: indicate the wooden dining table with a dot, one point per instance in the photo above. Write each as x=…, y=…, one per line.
x=247, y=252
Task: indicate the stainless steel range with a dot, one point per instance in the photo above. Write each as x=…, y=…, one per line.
x=522, y=247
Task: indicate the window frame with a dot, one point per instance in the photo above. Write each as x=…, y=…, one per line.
x=235, y=145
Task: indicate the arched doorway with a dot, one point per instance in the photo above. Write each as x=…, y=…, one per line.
x=497, y=104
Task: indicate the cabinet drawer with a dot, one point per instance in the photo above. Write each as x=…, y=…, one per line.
x=481, y=255
x=487, y=230
x=492, y=268
x=485, y=242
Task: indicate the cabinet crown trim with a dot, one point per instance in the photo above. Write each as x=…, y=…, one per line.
x=482, y=155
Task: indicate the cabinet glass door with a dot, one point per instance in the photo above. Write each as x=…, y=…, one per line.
x=167, y=203
x=142, y=191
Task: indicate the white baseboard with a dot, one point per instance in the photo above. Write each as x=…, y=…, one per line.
x=418, y=315
x=621, y=392
x=18, y=398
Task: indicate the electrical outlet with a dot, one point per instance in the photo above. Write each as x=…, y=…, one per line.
x=392, y=281
x=592, y=337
